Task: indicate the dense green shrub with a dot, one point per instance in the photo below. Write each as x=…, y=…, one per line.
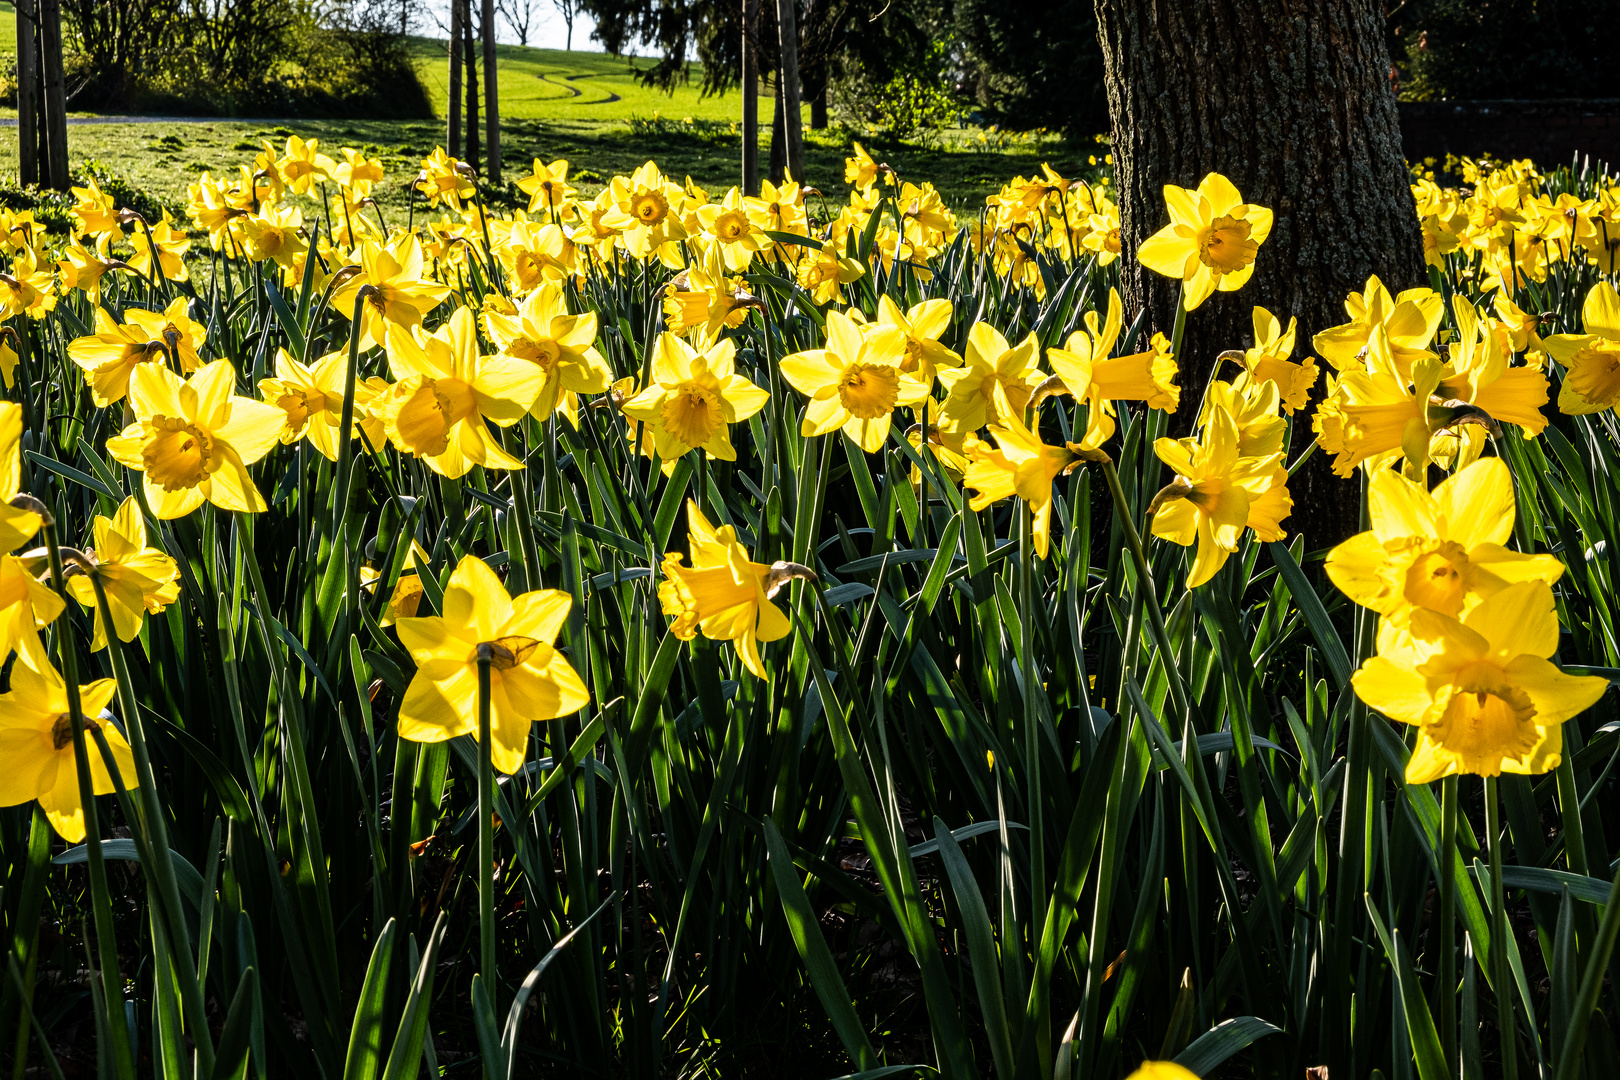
x=1503, y=48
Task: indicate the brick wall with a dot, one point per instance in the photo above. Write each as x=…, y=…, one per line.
x=1548, y=132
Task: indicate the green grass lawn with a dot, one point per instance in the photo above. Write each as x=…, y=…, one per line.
x=587, y=107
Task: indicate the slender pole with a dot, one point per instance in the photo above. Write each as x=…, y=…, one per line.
x=27, y=95
x=469, y=57
x=452, y=135
x=55, y=171
x=793, y=122
x=750, y=96
x=492, y=98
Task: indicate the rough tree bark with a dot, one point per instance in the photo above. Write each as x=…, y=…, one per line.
x=469, y=62
x=452, y=132
x=788, y=76
x=492, y=97
x=750, y=99
x=55, y=167
x=1291, y=100
x=27, y=94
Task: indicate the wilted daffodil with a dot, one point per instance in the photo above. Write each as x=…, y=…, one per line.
x=1211, y=241
x=111, y=355
x=194, y=440
x=561, y=346
x=1441, y=550
x=1021, y=465
x=853, y=383
x=137, y=579
x=311, y=399
x=399, y=294
x=26, y=604
x=529, y=680
x=1216, y=494
x=36, y=741
x=1591, y=360
x=1268, y=360
x=1480, y=689
x=693, y=398
x=723, y=594
x=446, y=391
x=994, y=382
x=1084, y=368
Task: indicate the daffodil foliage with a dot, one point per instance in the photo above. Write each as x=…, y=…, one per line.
x=783, y=632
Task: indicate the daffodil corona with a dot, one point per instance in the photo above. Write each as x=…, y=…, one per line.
x=1211, y=241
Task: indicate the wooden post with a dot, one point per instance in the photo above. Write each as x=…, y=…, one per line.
x=452, y=135
x=793, y=122
x=469, y=58
x=750, y=96
x=55, y=170
x=27, y=95
x=492, y=98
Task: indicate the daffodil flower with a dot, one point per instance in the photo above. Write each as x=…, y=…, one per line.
x=17, y=525
x=446, y=391
x=854, y=383
x=922, y=325
x=1084, y=369
x=442, y=181
x=1375, y=414
x=137, y=579
x=26, y=604
x=994, y=383
x=693, y=399
x=1409, y=321
x=529, y=680
x=723, y=594
x=1480, y=689
x=824, y=273
x=1268, y=360
x=28, y=288
x=36, y=741
x=1441, y=550
x=562, y=347
x=171, y=246
x=702, y=299
x=399, y=295
x=547, y=187
x=1020, y=465
x=1211, y=241
x=110, y=356
x=311, y=399
x=727, y=225
x=647, y=215
x=192, y=441
x=1591, y=360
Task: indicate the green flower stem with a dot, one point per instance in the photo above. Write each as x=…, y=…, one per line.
x=112, y=982
x=1501, y=977
x=486, y=828
x=1446, y=981
x=157, y=858
x=1569, y=807
x=1032, y=720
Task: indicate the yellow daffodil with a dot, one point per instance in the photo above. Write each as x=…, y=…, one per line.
x=534, y=254
x=860, y=171
x=1591, y=360
x=95, y=214
x=1162, y=1070
x=647, y=215
x=1441, y=550
x=779, y=208
x=854, y=383
x=84, y=268
x=1477, y=374
x=1216, y=494
x=703, y=299
x=304, y=165
x=1253, y=407
x=1374, y=413
x=311, y=402
x=824, y=272
x=529, y=680
x=994, y=382
x=137, y=579
x=446, y=391
x=723, y=594
x=26, y=604
x=17, y=525
x=547, y=187
x=1268, y=360
x=442, y=180
x=400, y=295
x=273, y=233
x=1084, y=369
x=211, y=207
x=1211, y=241
x=29, y=288
x=561, y=346
x=408, y=592
x=36, y=741
x=192, y=441
x=596, y=233
x=110, y=356
x=922, y=325
x=693, y=399
x=727, y=224
x=1020, y=465
x=356, y=173
x=1409, y=321
x=171, y=245
x=1480, y=690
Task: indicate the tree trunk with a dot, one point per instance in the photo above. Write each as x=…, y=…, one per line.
x=818, y=108
x=1291, y=100
x=27, y=95
x=55, y=171
x=788, y=76
x=778, y=160
x=492, y=97
x=452, y=134
x=750, y=99
x=469, y=58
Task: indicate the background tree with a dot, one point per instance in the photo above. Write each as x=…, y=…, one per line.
x=1034, y=63
x=1503, y=49
x=1292, y=100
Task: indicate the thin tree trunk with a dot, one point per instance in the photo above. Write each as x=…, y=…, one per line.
x=568, y=21
x=469, y=57
x=1291, y=100
x=750, y=99
x=452, y=135
x=786, y=21
x=778, y=159
x=492, y=97
x=55, y=172
x=27, y=94
x=818, y=108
